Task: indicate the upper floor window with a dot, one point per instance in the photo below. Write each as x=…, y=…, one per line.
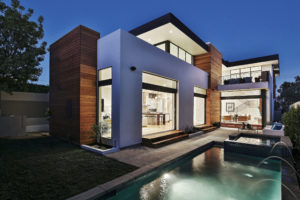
x=246, y=71
x=105, y=74
x=175, y=51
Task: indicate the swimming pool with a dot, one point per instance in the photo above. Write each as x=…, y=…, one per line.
x=209, y=176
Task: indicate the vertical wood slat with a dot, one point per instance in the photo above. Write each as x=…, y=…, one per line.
x=211, y=62
x=73, y=64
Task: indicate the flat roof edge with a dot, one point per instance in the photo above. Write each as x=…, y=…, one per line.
x=251, y=60
x=169, y=18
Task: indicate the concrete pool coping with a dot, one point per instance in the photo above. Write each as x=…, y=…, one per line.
x=197, y=144
x=110, y=188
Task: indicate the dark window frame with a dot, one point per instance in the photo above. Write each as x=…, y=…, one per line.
x=148, y=86
x=204, y=97
x=168, y=44
x=102, y=83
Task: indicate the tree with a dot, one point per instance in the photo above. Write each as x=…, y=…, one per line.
x=21, y=50
x=289, y=93
x=291, y=121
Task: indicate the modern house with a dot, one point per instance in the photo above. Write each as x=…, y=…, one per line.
x=155, y=78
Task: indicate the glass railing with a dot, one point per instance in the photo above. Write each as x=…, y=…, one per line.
x=244, y=77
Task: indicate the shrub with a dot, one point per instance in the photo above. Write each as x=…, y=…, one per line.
x=291, y=121
x=189, y=129
x=98, y=130
x=217, y=124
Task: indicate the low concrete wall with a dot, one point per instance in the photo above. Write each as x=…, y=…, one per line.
x=24, y=103
x=21, y=125
x=33, y=125
x=22, y=113
x=12, y=126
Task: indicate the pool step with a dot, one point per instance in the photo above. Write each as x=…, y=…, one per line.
x=206, y=128
x=165, y=138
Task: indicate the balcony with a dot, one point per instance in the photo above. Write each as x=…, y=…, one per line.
x=248, y=80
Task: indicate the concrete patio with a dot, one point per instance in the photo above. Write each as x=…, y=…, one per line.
x=142, y=156
x=148, y=159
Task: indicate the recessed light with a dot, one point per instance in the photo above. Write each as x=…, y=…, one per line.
x=248, y=175
x=149, y=39
x=170, y=31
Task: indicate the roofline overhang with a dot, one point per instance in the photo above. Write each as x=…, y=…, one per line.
x=165, y=19
x=251, y=60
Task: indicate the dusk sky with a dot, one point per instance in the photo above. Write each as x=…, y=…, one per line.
x=239, y=29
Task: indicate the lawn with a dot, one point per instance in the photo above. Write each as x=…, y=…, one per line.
x=47, y=168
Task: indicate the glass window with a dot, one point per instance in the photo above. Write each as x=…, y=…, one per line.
x=105, y=105
x=257, y=68
x=158, y=105
x=157, y=80
x=245, y=70
x=198, y=90
x=105, y=102
x=173, y=50
x=162, y=46
x=181, y=54
x=235, y=71
x=238, y=111
x=199, y=106
x=199, y=110
x=158, y=111
x=240, y=93
x=105, y=74
x=188, y=58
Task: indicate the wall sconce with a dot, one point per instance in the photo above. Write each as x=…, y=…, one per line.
x=132, y=68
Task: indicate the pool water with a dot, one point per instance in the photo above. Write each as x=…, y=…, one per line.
x=256, y=141
x=208, y=176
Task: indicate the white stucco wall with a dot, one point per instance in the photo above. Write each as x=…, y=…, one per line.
x=121, y=50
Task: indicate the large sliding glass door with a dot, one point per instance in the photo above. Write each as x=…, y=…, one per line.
x=199, y=106
x=159, y=103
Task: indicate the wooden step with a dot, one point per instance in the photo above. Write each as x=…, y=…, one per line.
x=169, y=141
x=160, y=139
x=206, y=128
x=162, y=136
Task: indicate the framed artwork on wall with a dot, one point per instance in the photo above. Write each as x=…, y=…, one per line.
x=229, y=107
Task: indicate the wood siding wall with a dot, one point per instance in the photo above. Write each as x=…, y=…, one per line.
x=211, y=62
x=73, y=64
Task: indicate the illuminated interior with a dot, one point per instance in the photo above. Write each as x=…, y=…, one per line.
x=158, y=102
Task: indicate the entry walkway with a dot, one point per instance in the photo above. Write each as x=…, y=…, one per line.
x=142, y=156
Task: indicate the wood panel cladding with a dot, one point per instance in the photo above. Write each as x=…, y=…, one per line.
x=73, y=64
x=211, y=62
